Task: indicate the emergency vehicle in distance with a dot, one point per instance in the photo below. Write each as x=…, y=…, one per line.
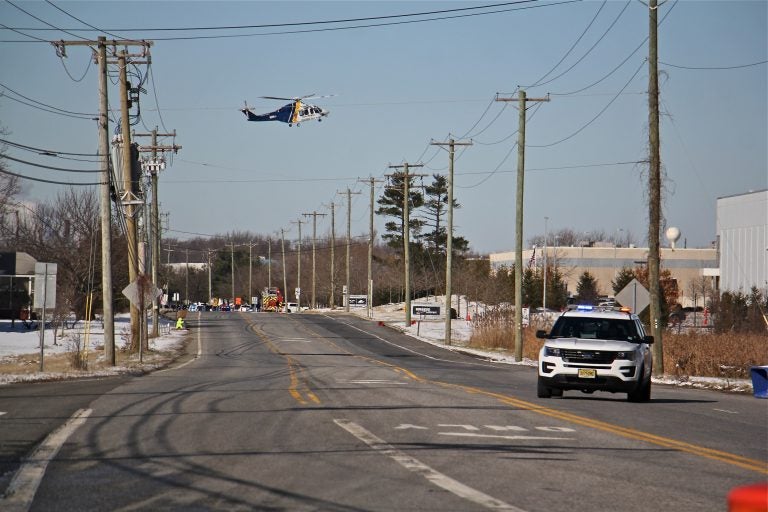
x=271, y=299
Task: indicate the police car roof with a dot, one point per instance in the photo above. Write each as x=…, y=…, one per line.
x=597, y=312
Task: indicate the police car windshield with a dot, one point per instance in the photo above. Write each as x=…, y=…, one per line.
x=595, y=328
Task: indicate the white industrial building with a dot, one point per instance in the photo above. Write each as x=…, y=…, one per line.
x=687, y=266
x=742, y=233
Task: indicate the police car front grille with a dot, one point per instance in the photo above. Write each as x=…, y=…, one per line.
x=588, y=356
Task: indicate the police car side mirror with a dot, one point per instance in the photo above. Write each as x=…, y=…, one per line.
x=541, y=334
x=648, y=339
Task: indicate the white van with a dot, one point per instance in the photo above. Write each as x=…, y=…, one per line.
x=292, y=307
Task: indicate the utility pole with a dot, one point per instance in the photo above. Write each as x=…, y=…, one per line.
x=314, y=244
x=210, y=282
x=349, y=245
x=654, y=186
x=154, y=166
x=407, y=234
x=285, y=278
x=186, y=278
x=128, y=198
x=333, y=255
x=269, y=262
x=105, y=190
x=298, y=265
x=250, y=272
x=105, y=209
x=449, y=235
x=523, y=99
x=369, y=286
x=232, y=259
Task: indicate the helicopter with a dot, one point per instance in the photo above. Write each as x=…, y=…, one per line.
x=293, y=113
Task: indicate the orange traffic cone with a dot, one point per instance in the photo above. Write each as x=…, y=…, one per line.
x=469, y=318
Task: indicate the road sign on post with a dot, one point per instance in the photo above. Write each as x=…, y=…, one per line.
x=45, y=298
x=45, y=286
x=634, y=296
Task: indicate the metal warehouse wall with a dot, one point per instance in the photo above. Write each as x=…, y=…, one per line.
x=742, y=228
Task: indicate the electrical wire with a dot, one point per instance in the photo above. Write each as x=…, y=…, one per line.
x=308, y=23
x=715, y=68
x=590, y=49
x=621, y=63
x=81, y=21
x=351, y=27
x=45, y=152
x=48, y=181
x=33, y=164
x=583, y=33
x=54, y=110
x=594, y=118
x=35, y=39
x=45, y=22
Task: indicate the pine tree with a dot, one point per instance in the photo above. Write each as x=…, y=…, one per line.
x=391, y=205
x=587, y=289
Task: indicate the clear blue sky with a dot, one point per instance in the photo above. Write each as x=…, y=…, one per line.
x=398, y=87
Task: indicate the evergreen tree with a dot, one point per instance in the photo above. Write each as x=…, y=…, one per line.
x=436, y=206
x=587, y=289
x=391, y=205
x=623, y=278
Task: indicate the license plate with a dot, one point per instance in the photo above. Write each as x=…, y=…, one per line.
x=587, y=373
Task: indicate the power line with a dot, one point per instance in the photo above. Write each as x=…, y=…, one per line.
x=302, y=23
x=715, y=68
x=81, y=21
x=60, y=111
x=43, y=21
x=332, y=29
x=594, y=118
x=620, y=64
x=583, y=33
x=33, y=164
x=48, y=181
x=46, y=152
x=590, y=49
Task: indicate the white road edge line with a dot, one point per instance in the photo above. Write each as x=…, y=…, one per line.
x=412, y=464
x=23, y=486
x=468, y=363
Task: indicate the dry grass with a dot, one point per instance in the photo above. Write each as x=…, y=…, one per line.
x=685, y=355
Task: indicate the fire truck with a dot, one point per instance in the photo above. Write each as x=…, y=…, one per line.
x=271, y=299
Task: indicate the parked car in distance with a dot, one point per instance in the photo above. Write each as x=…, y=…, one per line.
x=292, y=307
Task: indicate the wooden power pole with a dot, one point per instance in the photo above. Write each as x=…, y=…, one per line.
x=407, y=234
x=449, y=235
x=523, y=99
x=654, y=189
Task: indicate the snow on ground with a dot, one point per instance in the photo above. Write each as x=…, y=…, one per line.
x=17, y=340
x=20, y=340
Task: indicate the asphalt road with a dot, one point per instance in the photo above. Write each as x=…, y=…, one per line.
x=318, y=412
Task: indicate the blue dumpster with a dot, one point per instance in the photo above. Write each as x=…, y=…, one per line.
x=760, y=381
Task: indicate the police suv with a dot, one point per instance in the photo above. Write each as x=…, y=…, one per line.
x=592, y=349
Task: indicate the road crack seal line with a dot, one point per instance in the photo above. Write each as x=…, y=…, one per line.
x=298, y=382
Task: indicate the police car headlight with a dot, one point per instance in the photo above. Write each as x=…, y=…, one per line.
x=627, y=355
x=551, y=352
